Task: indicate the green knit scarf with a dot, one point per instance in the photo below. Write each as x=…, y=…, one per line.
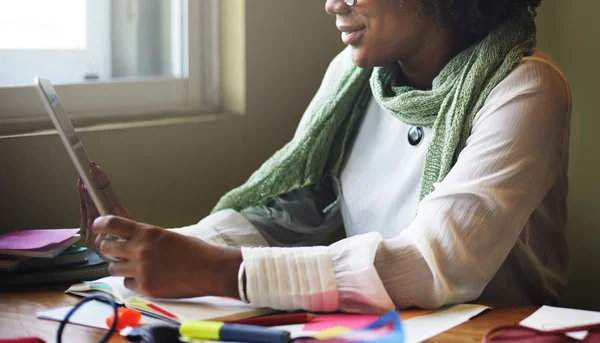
x=458, y=93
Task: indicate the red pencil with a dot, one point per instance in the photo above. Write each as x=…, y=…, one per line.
x=280, y=319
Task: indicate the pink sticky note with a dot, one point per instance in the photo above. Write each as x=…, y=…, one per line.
x=350, y=321
x=34, y=239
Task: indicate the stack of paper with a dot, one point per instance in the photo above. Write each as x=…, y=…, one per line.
x=28, y=247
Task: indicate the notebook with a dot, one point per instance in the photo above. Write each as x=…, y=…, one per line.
x=172, y=310
x=37, y=243
x=8, y=263
x=91, y=269
x=71, y=256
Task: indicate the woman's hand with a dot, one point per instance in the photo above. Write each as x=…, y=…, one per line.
x=88, y=210
x=164, y=264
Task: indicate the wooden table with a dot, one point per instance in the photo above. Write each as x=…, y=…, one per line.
x=18, y=308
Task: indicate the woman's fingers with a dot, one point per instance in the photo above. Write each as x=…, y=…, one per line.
x=126, y=269
x=132, y=284
x=98, y=240
x=82, y=208
x=86, y=217
x=122, y=227
x=102, y=183
x=119, y=249
x=82, y=202
x=99, y=179
x=92, y=210
x=122, y=212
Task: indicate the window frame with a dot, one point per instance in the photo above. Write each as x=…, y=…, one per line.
x=138, y=98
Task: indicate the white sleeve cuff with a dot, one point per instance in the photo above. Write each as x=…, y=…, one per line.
x=225, y=228
x=360, y=289
x=291, y=278
x=322, y=279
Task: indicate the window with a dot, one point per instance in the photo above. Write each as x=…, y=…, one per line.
x=108, y=57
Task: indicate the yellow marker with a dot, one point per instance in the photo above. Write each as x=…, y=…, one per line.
x=201, y=329
x=217, y=331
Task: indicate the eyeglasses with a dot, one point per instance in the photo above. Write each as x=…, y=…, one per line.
x=350, y=2
x=522, y=334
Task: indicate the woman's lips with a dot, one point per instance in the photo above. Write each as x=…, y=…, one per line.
x=352, y=35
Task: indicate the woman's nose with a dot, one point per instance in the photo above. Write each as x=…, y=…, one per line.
x=334, y=7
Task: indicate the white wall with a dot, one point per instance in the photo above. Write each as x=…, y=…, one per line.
x=570, y=32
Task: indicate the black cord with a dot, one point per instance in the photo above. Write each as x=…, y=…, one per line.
x=100, y=297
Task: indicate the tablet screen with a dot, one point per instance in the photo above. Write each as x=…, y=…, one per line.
x=71, y=141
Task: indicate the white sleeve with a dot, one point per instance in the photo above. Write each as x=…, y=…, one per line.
x=225, y=228
x=464, y=229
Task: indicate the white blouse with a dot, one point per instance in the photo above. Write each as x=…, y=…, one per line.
x=492, y=230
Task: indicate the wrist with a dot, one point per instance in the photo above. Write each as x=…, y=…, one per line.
x=229, y=268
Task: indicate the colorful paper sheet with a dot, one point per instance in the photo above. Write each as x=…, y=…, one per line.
x=354, y=321
x=386, y=329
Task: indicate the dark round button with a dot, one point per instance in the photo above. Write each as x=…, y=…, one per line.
x=415, y=135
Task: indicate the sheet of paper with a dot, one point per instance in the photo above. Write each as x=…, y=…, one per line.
x=423, y=327
x=418, y=325
x=552, y=318
x=34, y=239
x=91, y=314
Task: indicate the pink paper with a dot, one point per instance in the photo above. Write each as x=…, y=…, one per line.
x=355, y=321
x=350, y=321
x=34, y=239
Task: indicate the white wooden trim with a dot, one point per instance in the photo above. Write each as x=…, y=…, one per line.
x=177, y=35
x=207, y=85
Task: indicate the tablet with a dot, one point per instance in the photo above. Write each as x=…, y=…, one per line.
x=72, y=144
x=74, y=148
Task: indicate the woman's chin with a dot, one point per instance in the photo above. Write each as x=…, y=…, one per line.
x=360, y=58
x=363, y=60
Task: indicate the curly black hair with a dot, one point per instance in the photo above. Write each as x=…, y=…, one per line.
x=474, y=19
